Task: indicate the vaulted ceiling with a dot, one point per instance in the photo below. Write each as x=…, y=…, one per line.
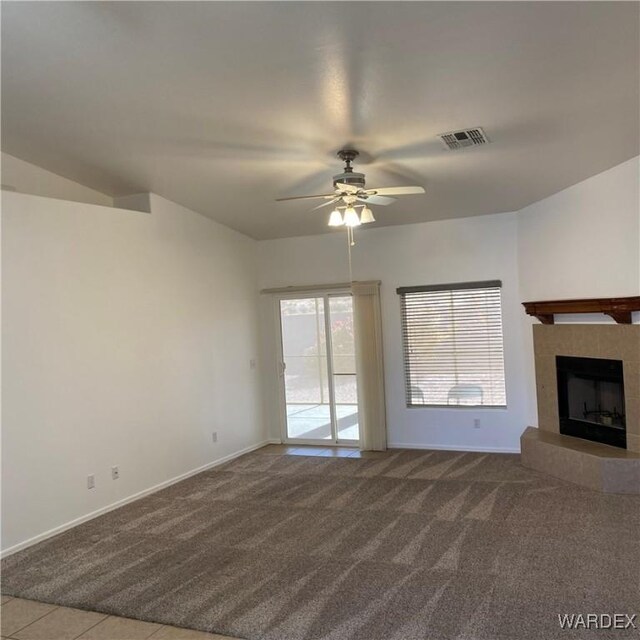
x=225, y=106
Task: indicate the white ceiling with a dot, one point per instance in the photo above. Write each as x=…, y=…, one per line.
x=224, y=106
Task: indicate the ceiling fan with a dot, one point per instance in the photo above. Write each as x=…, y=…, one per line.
x=350, y=191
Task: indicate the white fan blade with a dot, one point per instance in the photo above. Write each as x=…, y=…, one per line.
x=326, y=204
x=396, y=191
x=383, y=200
x=349, y=188
x=324, y=195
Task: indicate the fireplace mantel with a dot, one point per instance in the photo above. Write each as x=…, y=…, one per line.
x=620, y=309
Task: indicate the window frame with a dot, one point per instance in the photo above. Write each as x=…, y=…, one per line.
x=406, y=370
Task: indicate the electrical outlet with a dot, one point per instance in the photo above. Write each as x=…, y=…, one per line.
x=91, y=482
x=214, y=436
x=115, y=473
x=252, y=364
x=476, y=423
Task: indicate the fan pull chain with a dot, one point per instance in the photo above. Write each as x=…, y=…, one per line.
x=350, y=243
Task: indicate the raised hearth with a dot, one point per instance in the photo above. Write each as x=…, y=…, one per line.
x=590, y=464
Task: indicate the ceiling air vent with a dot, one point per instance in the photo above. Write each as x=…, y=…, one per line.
x=465, y=138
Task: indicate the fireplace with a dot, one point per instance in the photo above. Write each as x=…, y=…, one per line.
x=599, y=359
x=591, y=399
x=588, y=387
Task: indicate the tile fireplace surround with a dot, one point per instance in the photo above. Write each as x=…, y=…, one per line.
x=591, y=464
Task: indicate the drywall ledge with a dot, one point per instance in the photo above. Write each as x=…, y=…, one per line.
x=134, y=202
x=29, y=179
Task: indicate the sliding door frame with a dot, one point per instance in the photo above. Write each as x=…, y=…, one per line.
x=325, y=294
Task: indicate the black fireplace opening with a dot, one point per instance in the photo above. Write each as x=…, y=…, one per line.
x=591, y=399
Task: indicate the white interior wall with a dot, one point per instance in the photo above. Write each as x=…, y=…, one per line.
x=482, y=248
x=128, y=336
x=581, y=242
x=127, y=340
x=24, y=177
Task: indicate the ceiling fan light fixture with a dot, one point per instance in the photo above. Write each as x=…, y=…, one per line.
x=351, y=217
x=335, y=219
x=366, y=215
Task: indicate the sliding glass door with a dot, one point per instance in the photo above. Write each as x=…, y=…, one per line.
x=319, y=383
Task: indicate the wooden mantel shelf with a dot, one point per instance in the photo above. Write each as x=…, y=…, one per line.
x=620, y=309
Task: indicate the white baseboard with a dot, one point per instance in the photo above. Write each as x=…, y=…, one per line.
x=136, y=496
x=445, y=447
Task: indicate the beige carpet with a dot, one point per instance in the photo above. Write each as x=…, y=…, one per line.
x=412, y=545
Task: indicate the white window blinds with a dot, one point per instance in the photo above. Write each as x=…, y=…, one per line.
x=453, y=347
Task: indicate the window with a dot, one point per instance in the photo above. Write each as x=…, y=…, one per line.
x=453, y=348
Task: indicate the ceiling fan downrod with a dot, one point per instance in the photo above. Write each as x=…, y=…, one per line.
x=348, y=156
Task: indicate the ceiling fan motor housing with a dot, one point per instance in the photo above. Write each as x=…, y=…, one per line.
x=352, y=178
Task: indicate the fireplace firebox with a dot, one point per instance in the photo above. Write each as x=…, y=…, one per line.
x=591, y=399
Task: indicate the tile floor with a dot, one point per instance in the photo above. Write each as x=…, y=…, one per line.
x=327, y=452
x=28, y=620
